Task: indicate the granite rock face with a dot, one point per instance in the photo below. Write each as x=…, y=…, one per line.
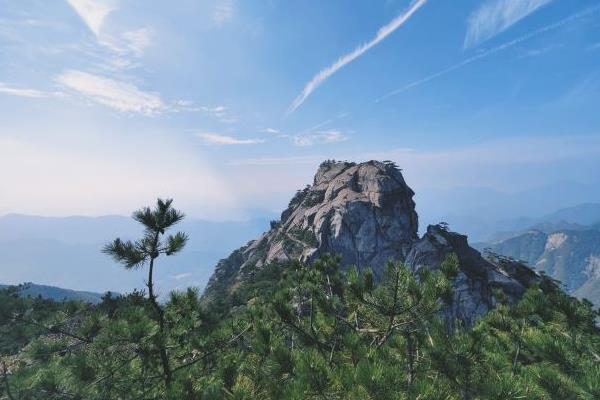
x=473, y=294
x=365, y=214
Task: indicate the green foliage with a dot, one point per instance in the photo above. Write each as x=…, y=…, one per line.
x=299, y=331
x=155, y=221
x=305, y=236
x=299, y=197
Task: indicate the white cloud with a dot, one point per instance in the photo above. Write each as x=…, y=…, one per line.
x=27, y=92
x=93, y=12
x=383, y=32
x=223, y=12
x=310, y=136
x=121, y=96
x=183, y=275
x=131, y=42
x=220, y=113
x=270, y=161
x=223, y=140
x=495, y=16
x=277, y=133
x=127, y=98
x=122, y=43
x=114, y=64
x=320, y=137
x=539, y=51
x=138, y=40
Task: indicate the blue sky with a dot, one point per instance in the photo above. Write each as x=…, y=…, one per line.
x=228, y=105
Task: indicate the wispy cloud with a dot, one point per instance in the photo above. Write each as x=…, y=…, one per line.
x=494, y=50
x=183, y=275
x=93, y=12
x=224, y=140
x=383, y=32
x=311, y=136
x=122, y=96
x=276, y=133
x=496, y=16
x=269, y=161
x=223, y=12
x=28, y=92
x=319, y=137
x=220, y=113
x=138, y=40
x=118, y=95
x=539, y=51
x=132, y=42
x=122, y=43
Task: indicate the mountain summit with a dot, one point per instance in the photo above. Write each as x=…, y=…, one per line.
x=365, y=214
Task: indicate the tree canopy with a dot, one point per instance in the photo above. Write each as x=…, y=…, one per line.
x=295, y=331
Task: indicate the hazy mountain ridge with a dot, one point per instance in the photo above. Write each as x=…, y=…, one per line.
x=29, y=289
x=570, y=256
x=482, y=228
x=66, y=251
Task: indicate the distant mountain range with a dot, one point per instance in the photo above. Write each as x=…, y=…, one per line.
x=55, y=293
x=479, y=229
x=65, y=252
x=562, y=246
x=481, y=212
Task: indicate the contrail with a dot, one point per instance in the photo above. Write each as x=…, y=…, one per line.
x=383, y=32
x=492, y=51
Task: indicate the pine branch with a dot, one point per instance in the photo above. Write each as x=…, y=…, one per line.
x=131, y=255
x=215, y=349
x=175, y=243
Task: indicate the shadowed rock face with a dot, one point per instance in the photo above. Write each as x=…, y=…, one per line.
x=366, y=215
x=473, y=294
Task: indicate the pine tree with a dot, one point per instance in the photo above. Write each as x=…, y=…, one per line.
x=146, y=250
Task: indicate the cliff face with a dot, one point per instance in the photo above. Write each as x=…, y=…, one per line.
x=473, y=294
x=365, y=214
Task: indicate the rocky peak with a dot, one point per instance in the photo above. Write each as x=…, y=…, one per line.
x=365, y=213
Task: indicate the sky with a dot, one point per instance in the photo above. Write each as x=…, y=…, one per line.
x=229, y=106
